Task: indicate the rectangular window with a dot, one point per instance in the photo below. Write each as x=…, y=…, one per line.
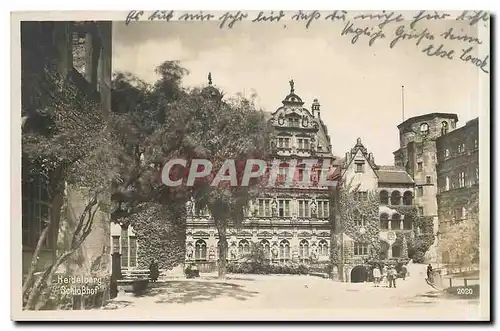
x=306, y=144
x=284, y=208
x=35, y=210
x=461, y=179
x=428, y=180
x=304, y=208
x=360, y=249
x=476, y=144
x=420, y=191
x=461, y=148
x=264, y=208
x=323, y=209
x=419, y=166
x=116, y=244
x=133, y=252
x=359, y=167
x=280, y=142
x=301, y=174
x=359, y=220
x=124, y=248
x=299, y=143
x=287, y=142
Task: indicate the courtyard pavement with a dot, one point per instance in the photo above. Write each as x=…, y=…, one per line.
x=292, y=297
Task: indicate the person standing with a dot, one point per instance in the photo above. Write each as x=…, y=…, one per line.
x=376, y=276
x=384, y=274
x=153, y=271
x=392, y=275
x=429, y=273
x=404, y=271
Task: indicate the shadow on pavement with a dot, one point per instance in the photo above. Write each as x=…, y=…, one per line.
x=195, y=291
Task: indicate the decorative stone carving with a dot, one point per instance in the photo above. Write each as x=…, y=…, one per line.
x=274, y=208
x=211, y=254
x=274, y=251
x=313, y=208
x=233, y=252
x=190, y=252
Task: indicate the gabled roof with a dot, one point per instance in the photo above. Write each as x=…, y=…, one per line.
x=393, y=175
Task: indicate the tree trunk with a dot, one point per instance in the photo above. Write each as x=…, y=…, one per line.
x=42, y=287
x=221, y=229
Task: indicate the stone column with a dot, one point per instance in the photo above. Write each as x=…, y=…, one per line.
x=389, y=252
x=389, y=224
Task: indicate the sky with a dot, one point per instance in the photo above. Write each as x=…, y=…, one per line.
x=358, y=86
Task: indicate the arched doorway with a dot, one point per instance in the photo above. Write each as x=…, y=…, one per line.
x=384, y=250
x=359, y=274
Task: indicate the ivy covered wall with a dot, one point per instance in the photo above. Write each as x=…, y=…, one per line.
x=161, y=234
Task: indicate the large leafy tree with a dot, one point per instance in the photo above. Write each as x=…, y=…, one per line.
x=66, y=138
x=459, y=241
x=165, y=122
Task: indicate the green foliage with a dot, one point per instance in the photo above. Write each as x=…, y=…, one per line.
x=249, y=268
x=422, y=239
x=459, y=243
x=256, y=257
x=161, y=234
x=351, y=208
x=164, y=121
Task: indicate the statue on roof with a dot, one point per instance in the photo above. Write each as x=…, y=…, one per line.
x=209, y=78
x=292, y=84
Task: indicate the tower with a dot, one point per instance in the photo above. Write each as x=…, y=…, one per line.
x=418, y=154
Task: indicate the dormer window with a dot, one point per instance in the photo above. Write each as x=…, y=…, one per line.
x=446, y=153
x=424, y=128
x=294, y=122
x=284, y=142
x=360, y=166
x=444, y=128
x=303, y=143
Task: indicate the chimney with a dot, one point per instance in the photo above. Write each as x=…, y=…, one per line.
x=315, y=108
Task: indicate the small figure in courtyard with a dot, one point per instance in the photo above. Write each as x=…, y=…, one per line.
x=404, y=271
x=429, y=273
x=153, y=271
x=383, y=278
x=376, y=276
x=391, y=276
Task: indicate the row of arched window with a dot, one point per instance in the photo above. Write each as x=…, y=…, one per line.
x=243, y=248
x=396, y=198
x=395, y=223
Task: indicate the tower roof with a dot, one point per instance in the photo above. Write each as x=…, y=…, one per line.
x=292, y=98
x=210, y=91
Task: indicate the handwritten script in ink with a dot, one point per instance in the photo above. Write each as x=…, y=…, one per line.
x=389, y=28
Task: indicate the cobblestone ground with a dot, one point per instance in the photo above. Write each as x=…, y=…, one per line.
x=254, y=297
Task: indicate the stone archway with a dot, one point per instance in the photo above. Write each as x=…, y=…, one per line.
x=359, y=274
x=384, y=250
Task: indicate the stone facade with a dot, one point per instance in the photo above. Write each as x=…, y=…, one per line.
x=418, y=153
x=372, y=222
x=457, y=172
x=290, y=222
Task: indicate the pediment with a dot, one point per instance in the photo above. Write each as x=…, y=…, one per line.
x=265, y=234
x=324, y=234
x=286, y=234
x=304, y=234
x=200, y=234
x=244, y=234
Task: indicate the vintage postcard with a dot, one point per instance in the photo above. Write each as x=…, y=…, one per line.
x=251, y=165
